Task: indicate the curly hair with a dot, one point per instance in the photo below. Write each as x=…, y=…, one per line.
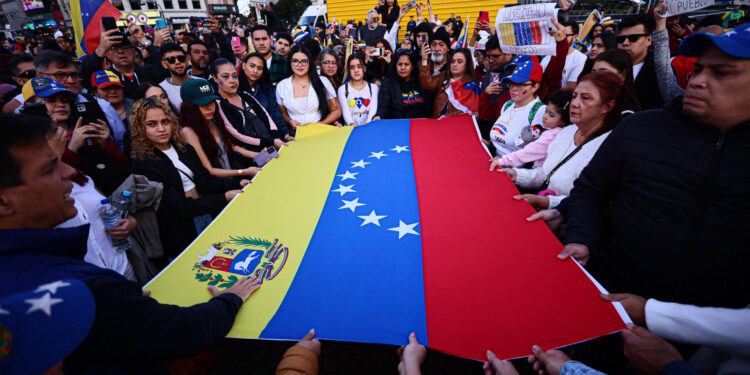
x=140, y=147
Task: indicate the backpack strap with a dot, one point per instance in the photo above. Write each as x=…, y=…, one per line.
x=533, y=111
x=507, y=105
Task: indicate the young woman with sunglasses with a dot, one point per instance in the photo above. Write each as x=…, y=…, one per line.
x=304, y=98
x=255, y=79
x=246, y=120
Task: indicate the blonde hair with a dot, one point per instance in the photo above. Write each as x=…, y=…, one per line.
x=140, y=146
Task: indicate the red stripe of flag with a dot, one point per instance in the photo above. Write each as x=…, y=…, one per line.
x=536, y=33
x=504, y=290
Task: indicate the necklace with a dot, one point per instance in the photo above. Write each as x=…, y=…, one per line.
x=304, y=86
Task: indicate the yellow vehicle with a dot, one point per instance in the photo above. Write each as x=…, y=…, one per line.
x=347, y=9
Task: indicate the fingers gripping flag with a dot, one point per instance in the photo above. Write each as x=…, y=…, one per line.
x=388, y=238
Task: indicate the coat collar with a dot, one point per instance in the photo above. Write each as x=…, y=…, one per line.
x=70, y=242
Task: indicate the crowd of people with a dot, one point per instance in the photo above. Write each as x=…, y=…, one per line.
x=630, y=146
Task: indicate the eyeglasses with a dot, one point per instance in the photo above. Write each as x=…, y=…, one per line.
x=519, y=85
x=300, y=62
x=62, y=76
x=173, y=59
x=632, y=38
x=326, y=63
x=27, y=74
x=120, y=47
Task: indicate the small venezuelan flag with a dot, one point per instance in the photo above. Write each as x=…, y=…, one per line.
x=386, y=238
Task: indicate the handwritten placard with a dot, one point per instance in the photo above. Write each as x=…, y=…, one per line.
x=524, y=29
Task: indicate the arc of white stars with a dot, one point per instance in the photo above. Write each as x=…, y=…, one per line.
x=404, y=229
x=352, y=204
x=372, y=218
x=361, y=163
x=398, y=148
x=345, y=189
x=43, y=303
x=348, y=176
x=377, y=155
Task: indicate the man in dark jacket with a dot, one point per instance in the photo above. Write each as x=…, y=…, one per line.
x=669, y=186
x=122, y=55
x=131, y=332
x=372, y=31
x=635, y=38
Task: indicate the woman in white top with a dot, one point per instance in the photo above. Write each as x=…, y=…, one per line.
x=358, y=98
x=304, y=98
x=190, y=192
x=523, y=110
x=594, y=111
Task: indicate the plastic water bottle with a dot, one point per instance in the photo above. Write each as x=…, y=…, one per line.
x=123, y=204
x=110, y=216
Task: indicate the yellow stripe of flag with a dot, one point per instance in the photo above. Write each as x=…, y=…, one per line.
x=299, y=194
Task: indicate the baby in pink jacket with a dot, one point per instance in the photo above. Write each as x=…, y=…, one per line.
x=556, y=117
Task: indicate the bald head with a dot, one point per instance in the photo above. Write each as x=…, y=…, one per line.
x=712, y=29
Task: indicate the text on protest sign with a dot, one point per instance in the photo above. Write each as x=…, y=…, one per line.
x=524, y=29
x=675, y=7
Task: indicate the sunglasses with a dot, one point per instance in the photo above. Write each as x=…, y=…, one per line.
x=62, y=76
x=173, y=59
x=632, y=38
x=27, y=74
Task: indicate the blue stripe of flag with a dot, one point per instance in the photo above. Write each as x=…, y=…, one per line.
x=379, y=287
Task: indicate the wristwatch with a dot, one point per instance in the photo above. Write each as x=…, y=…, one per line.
x=146, y=43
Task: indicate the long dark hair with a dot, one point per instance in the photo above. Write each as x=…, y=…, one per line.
x=561, y=100
x=312, y=73
x=356, y=56
x=621, y=60
x=392, y=72
x=609, y=40
x=191, y=117
x=265, y=79
x=611, y=87
x=469, y=61
x=381, y=67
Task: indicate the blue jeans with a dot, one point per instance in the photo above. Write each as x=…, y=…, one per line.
x=201, y=222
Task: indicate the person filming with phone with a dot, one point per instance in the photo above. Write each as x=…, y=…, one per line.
x=117, y=49
x=89, y=145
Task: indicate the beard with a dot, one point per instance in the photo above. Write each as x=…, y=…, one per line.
x=178, y=74
x=437, y=57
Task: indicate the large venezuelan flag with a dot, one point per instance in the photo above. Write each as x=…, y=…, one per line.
x=369, y=233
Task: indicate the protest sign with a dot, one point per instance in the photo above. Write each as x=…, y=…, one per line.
x=524, y=29
x=675, y=7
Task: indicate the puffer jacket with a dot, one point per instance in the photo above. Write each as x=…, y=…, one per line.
x=672, y=193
